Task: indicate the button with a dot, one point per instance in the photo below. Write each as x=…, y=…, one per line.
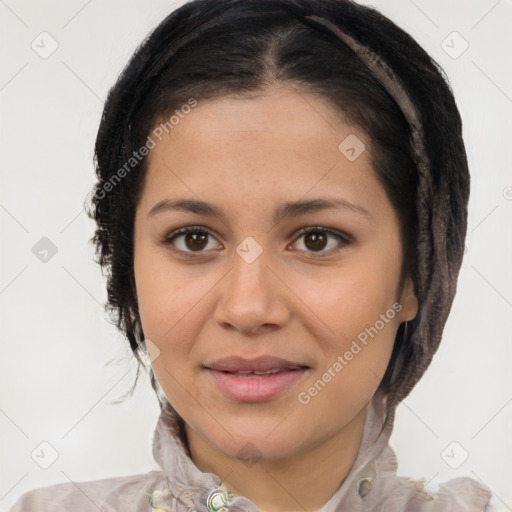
x=364, y=486
x=159, y=500
x=216, y=501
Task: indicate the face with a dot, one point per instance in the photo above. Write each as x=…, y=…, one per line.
x=268, y=279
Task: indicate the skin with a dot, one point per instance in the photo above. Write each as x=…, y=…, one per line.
x=247, y=156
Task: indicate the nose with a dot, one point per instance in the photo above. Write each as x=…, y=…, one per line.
x=253, y=298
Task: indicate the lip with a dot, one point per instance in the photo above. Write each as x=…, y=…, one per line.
x=228, y=376
x=261, y=364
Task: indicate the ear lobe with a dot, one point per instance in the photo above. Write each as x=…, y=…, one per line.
x=409, y=301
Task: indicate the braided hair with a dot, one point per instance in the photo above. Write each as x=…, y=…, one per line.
x=373, y=74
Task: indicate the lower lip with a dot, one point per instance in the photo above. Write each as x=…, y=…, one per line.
x=255, y=388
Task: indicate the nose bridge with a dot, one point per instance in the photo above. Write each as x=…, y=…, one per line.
x=250, y=294
x=249, y=281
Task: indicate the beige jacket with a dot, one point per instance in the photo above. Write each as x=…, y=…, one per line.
x=371, y=485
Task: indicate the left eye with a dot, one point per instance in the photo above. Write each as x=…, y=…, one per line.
x=195, y=239
x=316, y=238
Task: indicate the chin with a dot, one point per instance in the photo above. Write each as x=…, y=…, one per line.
x=259, y=442
x=261, y=449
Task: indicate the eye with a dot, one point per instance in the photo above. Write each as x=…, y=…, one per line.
x=316, y=239
x=193, y=238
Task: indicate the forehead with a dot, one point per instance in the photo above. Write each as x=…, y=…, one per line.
x=284, y=111
x=283, y=143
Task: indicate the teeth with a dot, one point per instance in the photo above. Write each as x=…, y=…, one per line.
x=268, y=372
x=251, y=372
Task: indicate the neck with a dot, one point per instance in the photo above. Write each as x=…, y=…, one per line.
x=286, y=484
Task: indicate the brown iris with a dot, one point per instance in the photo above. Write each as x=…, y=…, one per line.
x=196, y=240
x=315, y=240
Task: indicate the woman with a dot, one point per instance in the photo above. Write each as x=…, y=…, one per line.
x=281, y=208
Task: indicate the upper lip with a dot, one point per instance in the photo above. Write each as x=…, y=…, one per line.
x=260, y=364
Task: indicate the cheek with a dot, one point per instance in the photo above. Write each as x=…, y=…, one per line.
x=358, y=316
x=166, y=293
x=353, y=364
x=173, y=306
x=352, y=296
x=166, y=300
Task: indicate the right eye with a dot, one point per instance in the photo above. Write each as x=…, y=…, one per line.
x=191, y=239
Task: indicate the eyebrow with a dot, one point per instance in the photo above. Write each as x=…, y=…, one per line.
x=283, y=211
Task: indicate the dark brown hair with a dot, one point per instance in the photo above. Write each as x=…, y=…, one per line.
x=208, y=49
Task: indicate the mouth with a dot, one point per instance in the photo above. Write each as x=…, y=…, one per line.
x=255, y=380
x=256, y=373
x=258, y=365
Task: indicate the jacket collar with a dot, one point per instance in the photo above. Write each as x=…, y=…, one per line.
x=370, y=486
x=188, y=487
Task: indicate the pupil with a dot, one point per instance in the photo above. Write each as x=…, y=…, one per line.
x=318, y=240
x=197, y=240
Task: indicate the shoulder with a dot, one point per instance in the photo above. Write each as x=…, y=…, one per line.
x=461, y=494
x=464, y=494
x=109, y=495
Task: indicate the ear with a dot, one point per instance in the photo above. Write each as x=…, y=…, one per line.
x=409, y=301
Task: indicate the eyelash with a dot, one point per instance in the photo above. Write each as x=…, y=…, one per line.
x=344, y=239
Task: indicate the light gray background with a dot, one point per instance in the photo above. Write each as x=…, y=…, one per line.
x=55, y=384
